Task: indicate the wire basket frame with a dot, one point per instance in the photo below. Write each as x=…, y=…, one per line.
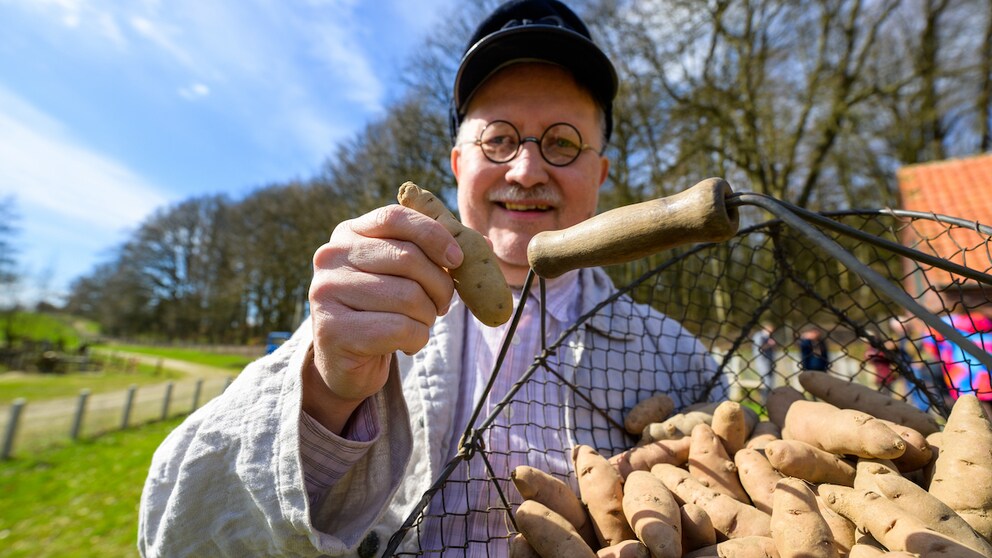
x=879, y=284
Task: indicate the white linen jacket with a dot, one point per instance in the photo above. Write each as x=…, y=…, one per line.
x=228, y=481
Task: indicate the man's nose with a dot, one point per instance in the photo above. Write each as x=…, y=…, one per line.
x=528, y=168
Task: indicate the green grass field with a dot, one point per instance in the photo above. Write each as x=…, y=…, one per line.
x=80, y=500
x=54, y=328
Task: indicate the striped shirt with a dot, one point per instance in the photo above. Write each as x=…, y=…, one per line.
x=327, y=457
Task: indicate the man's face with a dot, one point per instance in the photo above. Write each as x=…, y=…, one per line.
x=511, y=202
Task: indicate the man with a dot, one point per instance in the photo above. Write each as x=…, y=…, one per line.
x=764, y=344
x=326, y=446
x=813, y=350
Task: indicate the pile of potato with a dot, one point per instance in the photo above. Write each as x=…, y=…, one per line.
x=848, y=473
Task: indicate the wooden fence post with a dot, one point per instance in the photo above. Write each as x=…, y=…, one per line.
x=166, y=400
x=128, y=402
x=77, y=421
x=196, y=394
x=15, y=414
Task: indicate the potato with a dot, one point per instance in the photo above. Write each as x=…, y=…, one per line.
x=894, y=528
x=550, y=534
x=653, y=409
x=764, y=432
x=841, y=528
x=697, y=527
x=535, y=484
x=962, y=476
x=710, y=465
x=867, y=469
x=674, y=427
x=841, y=431
x=643, y=457
x=731, y=426
x=779, y=401
x=520, y=548
x=918, y=453
x=478, y=280
x=931, y=511
x=624, y=549
x=848, y=395
x=795, y=458
x=653, y=513
x=758, y=477
x=601, y=489
x=744, y=547
x=731, y=518
x=797, y=527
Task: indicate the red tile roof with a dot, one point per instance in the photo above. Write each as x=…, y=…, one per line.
x=957, y=188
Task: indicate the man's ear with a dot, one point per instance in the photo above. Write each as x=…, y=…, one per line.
x=456, y=154
x=604, y=169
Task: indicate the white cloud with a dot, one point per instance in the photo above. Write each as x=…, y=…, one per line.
x=194, y=91
x=51, y=173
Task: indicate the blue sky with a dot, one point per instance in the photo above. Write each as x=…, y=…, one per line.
x=111, y=109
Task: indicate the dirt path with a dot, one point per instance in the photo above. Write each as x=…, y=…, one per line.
x=41, y=422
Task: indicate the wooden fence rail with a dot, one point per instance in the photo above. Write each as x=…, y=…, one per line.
x=27, y=426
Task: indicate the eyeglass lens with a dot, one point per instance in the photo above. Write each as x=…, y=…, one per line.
x=560, y=144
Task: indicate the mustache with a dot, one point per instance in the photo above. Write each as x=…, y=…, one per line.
x=543, y=192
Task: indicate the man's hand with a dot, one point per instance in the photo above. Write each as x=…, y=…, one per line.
x=379, y=283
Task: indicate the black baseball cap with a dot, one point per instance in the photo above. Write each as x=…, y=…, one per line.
x=540, y=31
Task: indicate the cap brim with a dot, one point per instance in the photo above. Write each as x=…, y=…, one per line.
x=539, y=43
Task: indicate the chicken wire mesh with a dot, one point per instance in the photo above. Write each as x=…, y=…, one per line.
x=882, y=286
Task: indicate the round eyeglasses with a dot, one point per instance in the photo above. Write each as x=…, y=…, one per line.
x=560, y=144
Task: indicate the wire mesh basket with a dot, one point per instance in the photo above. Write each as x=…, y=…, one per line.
x=882, y=286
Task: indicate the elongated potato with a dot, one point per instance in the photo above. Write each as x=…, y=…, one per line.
x=711, y=466
x=764, y=432
x=535, y=484
x=841, y=431
x=918, y=453
x=744, y=547
x=868, y=469
x=930, y=510
x=795, y=458
x=731, y=518
x=779, y=401
x=656, y=408
x=848, y=395
x=520, y=548
x=624, y=549
x=697, y=527
x=866, y=551
x=478, y=280
x=731, y=426
x=601, y=489
x=894, y=528
x=758, y=477
x=675, y=426
x=653, y=513
x=643, y=457
x=842, y=530
x=798, y=529
x=962, y=476
x=550, y=534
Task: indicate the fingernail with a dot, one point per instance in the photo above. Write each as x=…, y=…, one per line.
x=453, y=255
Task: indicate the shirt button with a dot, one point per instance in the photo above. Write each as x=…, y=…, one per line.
x=369, y=546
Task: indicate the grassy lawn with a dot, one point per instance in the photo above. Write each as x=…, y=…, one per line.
x=79, y=500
